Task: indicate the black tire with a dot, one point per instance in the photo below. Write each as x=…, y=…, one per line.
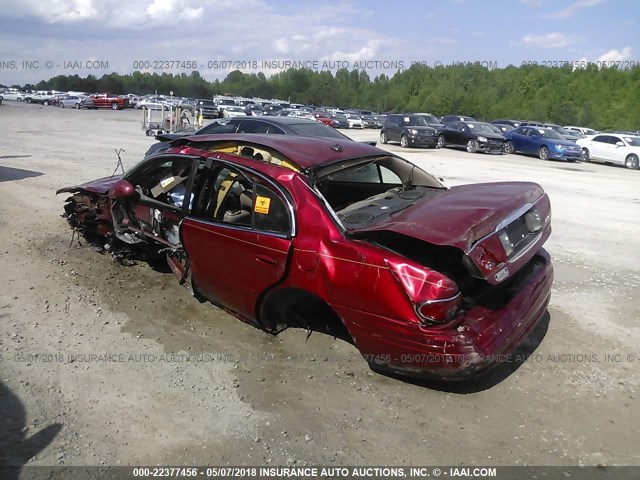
x=77, y=106
x=148, y=133
x=45, y=103
x=441, y=142
x=632, y=162
x=586, y=156
x=61, y=105
x=472, y=146
x=28, y=100
x=114, y=106
x=383, y=138
x=543, y=153
x=508, y=147
x=404, y=141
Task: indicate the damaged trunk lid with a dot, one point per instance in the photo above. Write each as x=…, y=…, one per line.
x=498, y=227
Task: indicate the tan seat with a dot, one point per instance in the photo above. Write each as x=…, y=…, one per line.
x=243, y=215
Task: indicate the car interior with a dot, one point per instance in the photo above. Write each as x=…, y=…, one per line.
x=343, y=186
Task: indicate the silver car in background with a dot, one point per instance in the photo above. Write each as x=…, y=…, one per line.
x=76, y=101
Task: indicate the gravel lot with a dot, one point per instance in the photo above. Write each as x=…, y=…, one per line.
x=254, y=399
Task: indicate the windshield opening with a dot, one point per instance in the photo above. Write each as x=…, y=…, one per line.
x=363, y=190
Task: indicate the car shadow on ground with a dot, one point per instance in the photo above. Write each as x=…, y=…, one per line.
x=8, y=174
x=495, y=376
x=16, y=448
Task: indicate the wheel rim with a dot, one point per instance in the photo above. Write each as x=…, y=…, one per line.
x=508, y=147
x=403, y=141
x=383, y=138
x=544, y=153
x=585, y=155
x=471, y=146
x=441, y=141
x=114, y=106
x=632, y=162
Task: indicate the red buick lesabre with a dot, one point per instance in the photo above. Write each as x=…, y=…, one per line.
x=428, y=280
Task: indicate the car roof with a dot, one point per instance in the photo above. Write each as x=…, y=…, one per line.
x=307, y=152
x=279, y=120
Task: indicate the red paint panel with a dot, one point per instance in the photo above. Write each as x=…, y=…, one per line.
x=233, y=266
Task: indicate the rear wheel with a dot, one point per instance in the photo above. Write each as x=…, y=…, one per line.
x=508, y=147
x=383, y=137
x=114, y=106
x=543, y=153
x=441, y=142
x=632, y=162
x=404, y=141
x=472, y=146
x=585, y=155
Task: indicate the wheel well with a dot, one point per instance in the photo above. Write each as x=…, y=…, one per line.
x=292, y=307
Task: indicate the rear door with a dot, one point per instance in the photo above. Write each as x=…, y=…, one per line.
x=238, y=237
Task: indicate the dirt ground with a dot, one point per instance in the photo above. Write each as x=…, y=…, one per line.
x=103, y=364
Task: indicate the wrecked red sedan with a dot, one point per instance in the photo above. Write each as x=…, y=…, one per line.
x=428, y=280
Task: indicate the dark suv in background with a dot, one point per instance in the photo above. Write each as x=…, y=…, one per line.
x=410, y=130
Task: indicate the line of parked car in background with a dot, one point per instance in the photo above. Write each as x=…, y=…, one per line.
x=501, y=136
x=547, y=141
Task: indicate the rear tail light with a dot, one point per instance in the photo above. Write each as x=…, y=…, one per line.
x=435, y=297
x=439, y=311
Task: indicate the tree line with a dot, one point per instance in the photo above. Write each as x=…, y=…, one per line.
x=603, y=98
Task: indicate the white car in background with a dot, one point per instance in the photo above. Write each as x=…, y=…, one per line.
x=582, y=130
x=233, y=111
x=611, y=148
x=13, y=94
x=354, y=121
x=76, y=101
x=152, y=103
x=301, y=114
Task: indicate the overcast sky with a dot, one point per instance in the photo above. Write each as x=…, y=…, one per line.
x=242, y=32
